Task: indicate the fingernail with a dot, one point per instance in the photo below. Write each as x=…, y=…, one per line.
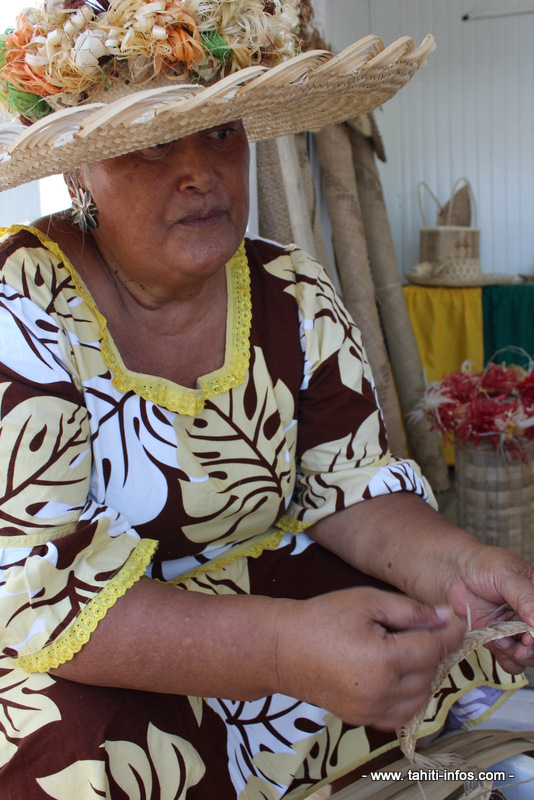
x=444, y=613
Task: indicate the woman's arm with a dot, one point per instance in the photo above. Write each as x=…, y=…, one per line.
x=400, y=539
x=161, y=638
x=367, y=656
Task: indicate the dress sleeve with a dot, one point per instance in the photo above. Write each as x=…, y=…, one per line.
x=342, y=451
x=64, y=559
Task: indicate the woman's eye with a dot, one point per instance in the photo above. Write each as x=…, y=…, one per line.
x=158, y=151
x=222, y=134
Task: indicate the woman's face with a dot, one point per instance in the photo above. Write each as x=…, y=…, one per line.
x=173, y=214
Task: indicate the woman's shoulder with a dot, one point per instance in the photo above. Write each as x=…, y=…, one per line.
x=33, y=265
x=16, y=239
x=288, y=262
x=21, y=242
x=26, y=264
x=51, y=229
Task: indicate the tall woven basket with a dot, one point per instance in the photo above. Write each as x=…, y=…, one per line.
x=495, y=496
x=452, y=243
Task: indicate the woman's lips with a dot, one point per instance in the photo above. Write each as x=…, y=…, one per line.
x=200, y=219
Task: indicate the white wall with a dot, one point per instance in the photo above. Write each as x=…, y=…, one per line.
x=469, y=113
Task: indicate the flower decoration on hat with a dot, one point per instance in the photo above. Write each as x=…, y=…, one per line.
x=59, y=55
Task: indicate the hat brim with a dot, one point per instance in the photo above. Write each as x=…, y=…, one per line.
x=307, y=92
x=487, y=279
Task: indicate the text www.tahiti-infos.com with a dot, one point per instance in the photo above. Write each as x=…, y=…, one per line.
x=438, y=775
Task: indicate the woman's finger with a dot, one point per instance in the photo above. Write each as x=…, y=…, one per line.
x=509, y=659
x=401, y=613
x=422, y=651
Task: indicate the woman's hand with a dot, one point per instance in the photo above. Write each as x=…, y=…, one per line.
x=496, y=585
x=366, y=655
x=401, y=540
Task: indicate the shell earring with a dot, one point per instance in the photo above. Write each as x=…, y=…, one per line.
x=84, y=210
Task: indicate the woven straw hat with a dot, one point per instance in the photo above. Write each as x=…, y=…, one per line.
x=459, y=272
x=114, y=108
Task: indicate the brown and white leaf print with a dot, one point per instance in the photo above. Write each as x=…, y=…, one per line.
x=248, y=465
x=43, y=589
x=323, y=752
x=24, y=708
x=262, y=737
x=84, y=780
x=42, y=445
x=342, y=446
x=222, y=476
x=325, y=323
x=47, y=291
x=163, y=770
x=45, y=469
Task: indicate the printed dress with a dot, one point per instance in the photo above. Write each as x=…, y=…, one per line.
x=108, y=475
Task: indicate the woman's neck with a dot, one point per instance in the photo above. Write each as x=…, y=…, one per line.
x=178, y=338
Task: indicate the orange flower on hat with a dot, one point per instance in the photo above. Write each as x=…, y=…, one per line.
x=16, y=70
x=184, y=38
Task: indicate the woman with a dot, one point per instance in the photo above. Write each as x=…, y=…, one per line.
x=214, y=573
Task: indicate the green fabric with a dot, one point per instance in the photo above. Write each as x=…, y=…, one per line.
x=508, y=321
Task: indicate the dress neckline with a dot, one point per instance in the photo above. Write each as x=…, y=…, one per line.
x=163, y=392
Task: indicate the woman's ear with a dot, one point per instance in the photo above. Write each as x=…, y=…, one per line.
x=72, y=181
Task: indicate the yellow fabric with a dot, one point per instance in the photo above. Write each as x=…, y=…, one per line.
x=448, y=327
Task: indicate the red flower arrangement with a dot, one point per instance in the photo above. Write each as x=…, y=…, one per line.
x=495, y=405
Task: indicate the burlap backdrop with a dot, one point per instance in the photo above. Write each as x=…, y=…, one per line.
x=350, y=247
x=274, y=186
x=366, y=266
x=402, y=345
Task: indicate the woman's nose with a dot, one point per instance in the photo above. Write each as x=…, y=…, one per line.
x=193, y=165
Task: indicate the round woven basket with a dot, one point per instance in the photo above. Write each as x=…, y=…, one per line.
x=495, y=496
x=449, y=243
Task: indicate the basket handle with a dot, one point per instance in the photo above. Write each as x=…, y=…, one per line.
x=471, y=198
x=513, y=350
x=423, y=185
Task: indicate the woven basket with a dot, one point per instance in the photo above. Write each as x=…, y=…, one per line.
x=457, y=210
x=451, y=241
x=495, y=496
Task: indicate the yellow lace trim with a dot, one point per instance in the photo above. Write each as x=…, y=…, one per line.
x=253, y=548
x=166, y=393
x=191, y=402
x=292, y=525
x=71, y=642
